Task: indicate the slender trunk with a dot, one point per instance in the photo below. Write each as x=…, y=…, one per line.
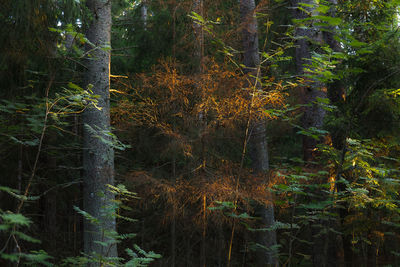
x=199, y=55
x=188, y=252
x=48, y=201
x=199, y=35
x=143, y=13
x=203, y=236
x=221, y=244
x=77, y=224
x=50, y=218
x=98, y=155
x=173, y=236
x=258, y=143
x=19, y=173
x=173, y=223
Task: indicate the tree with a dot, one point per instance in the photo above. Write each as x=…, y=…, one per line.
x=185, y=122
x=143, y=13
x=258, y=142
x=308, y=37
x=363, y=111
x=198, y=35
x=336, y=94
x=98, y=156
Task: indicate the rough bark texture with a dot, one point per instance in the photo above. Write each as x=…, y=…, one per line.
x=258, y=143
x=313, y=114
x=336, y=89
x=98, y=156
x=338, y=249
x=307, y=38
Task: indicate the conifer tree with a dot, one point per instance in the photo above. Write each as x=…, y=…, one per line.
x=308, y=37
x=258, y=142
x=98, y=156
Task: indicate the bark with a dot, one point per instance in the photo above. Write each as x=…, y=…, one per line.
x=69, y=41
x=336, y=95
x=306, y=39
x=251, y=57
x=143, y=13
x=199, y=35
x=258, y=143
x=336, y=89
x=49, y=199
x=173, y=222
x=221, y=244
x=98, y=155
x=50, y=217
x=203, y=252
x=173, y=236
x=199, y=55
x=313, y=114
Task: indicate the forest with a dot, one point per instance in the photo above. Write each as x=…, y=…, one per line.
x=200, y=133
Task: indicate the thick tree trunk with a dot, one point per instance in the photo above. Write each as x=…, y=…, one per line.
x=307, y=39
x=98, y=155
x=336, y=89
x=336, y=94
x=258, y=143
x=313, y=114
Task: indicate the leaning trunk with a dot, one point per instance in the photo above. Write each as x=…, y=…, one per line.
x=258, y=142
x=98, y=155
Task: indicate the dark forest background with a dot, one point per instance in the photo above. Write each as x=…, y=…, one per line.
x=245, y=133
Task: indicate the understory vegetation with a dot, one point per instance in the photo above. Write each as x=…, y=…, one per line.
x=229, y=133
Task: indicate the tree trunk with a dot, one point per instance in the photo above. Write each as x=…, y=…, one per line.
x=199, y=35
x=307, y=39
x=336, y=89
x=199, y=55
x=143, y=13
x=336, y=94
x=258, y=143
x=98, y=155
x=313, y=113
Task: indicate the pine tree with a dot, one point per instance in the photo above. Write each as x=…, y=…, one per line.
x=98, y=156
x=258, y=142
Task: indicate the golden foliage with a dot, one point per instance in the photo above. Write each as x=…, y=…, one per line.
x=195, y=113
x=218, y=96
x=183, y=194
